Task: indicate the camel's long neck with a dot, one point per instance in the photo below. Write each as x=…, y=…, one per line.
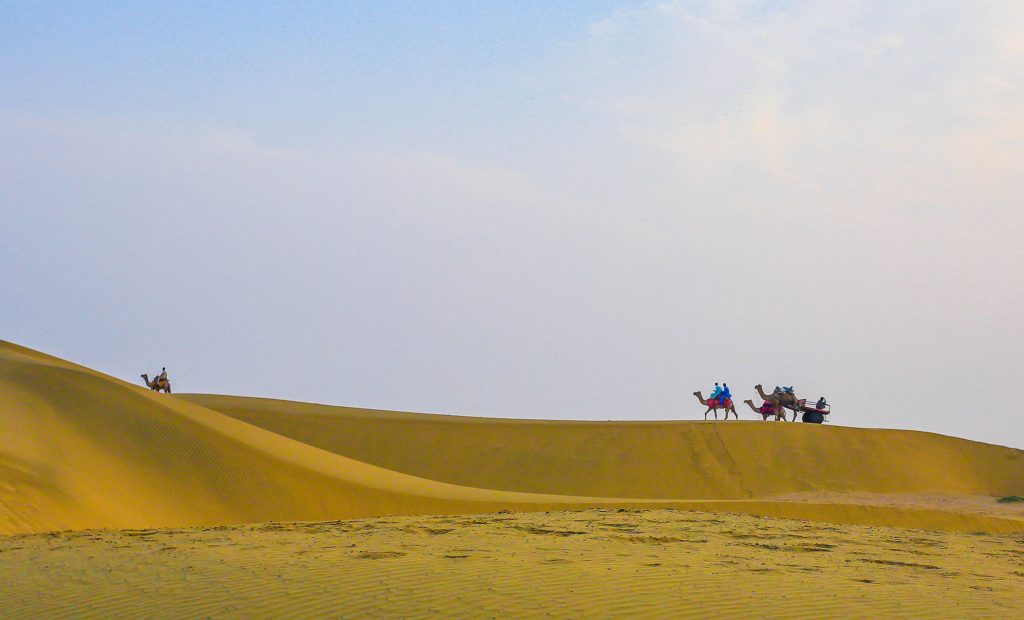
x=756, y=410
x=760, y=392
x=700, y=397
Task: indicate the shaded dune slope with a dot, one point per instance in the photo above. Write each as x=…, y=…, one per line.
x=79, y=449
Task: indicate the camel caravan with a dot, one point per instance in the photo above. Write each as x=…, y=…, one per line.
x=773, y=405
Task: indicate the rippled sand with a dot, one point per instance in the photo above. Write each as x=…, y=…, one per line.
x=590, y=563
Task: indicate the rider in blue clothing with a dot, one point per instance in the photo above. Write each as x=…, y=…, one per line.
x=726, y=394
x=717, y=391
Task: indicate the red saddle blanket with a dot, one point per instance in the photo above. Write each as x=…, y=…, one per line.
x=716, y=403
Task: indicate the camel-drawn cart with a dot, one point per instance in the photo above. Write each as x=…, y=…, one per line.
x=812, y=413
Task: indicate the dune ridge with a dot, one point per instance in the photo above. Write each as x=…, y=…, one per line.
x=79, y=450
x=666, y=460
x=82, y=450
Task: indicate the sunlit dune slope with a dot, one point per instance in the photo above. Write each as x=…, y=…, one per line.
x=79, y=449
x=82, y=450
x=678, y=460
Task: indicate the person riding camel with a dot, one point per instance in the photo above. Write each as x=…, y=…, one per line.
x=162, y=379
x=726, y=394
x=821, y=404
x=715, y=394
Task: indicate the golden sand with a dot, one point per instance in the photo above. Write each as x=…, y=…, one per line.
x=81, y=451
x=580, y=564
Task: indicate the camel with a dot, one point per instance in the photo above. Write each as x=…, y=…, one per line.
x=779, y=415
x=156, y=384
x=730, y=408
x=789, y=401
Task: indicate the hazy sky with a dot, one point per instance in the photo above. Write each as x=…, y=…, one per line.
x=529, y=209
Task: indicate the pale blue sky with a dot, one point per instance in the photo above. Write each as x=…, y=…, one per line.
x=533, y=209
x=289, y=71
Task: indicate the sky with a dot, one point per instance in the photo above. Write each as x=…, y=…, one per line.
x=525, y=209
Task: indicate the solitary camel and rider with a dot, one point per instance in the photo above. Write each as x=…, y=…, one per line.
x=160, y=383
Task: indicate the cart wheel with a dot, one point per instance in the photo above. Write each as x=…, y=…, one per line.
x=813, y=417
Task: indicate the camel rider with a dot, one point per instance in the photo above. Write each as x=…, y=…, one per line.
x=162, y=379
x=821, y=404
x=726, y=393
x=717, y=392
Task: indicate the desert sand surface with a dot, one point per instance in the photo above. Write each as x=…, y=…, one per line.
x=832, y=473
x=116, y=500
x=80, y=450
x=577, y=564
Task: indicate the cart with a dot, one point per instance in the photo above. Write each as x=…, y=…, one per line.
x=811, y=413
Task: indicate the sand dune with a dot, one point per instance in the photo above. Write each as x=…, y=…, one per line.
x=82, y=450
x=499, y=518
x=79, y=449
x=671, y=460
